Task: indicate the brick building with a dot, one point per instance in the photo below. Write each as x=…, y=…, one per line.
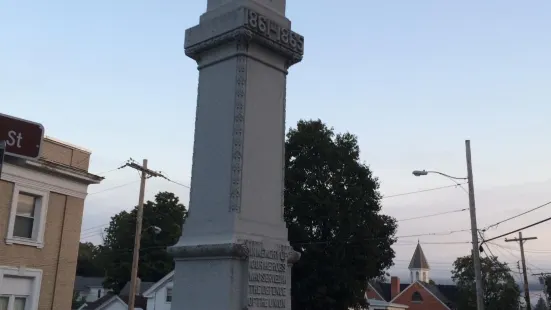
x=419, y=294
x=41, y=206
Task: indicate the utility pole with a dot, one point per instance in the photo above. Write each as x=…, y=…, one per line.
x=543, y=277
x=519, y=272
x=474, y=230
x=521, y=242
x=145, y=174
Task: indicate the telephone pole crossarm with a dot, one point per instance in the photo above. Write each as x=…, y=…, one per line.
x=145, y=170
x=523, y=239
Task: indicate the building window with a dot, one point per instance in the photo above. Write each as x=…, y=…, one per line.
x=416, y=297
x=27, y=204
x=12, y=302
x=20, y=288
x=99, y=294
x=417, y=275
x=169, y=294
x=28, y=216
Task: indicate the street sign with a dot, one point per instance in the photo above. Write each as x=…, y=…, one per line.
x=2, y=150
x=23, y=138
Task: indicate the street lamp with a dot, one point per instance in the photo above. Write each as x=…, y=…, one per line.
x=419, y=173
x=134, y=273
x=156, y=229
x=472, y=209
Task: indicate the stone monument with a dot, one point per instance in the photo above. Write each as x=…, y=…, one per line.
x=234, y=253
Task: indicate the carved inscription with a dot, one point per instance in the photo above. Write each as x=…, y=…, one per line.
x=267, y=286
x=273, y=31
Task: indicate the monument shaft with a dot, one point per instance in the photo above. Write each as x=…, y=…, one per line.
x=234, y=253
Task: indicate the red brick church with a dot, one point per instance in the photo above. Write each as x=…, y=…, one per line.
x=419, y=294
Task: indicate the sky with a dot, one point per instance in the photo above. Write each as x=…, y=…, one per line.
x=412, y=79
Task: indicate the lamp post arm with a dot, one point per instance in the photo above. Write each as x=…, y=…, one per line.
x=447, y=175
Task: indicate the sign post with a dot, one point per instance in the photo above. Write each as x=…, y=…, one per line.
x=2, y=151
x=22, y=138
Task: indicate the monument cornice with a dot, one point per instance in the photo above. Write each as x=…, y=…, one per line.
x=244, y=26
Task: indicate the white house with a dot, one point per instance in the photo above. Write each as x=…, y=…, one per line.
x=159, y=295
x=107, y=302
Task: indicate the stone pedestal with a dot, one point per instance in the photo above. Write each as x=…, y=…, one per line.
x=234, y=253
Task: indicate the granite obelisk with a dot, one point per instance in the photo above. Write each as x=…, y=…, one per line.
x=234, y=253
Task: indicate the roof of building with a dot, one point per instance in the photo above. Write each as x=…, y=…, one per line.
x=83, y=283
x=70, y=145
x=383, y=289
x=139, y=302
x=144, y=286
x=447, y=294
x=159, y=284
x=108, y=298
x=419, y=261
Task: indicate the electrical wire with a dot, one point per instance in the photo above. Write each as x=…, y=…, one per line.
x=421, y=191
x=518, y=215
x=517, y=230
x=432, y=215
x=114, y=187
x=186, y=186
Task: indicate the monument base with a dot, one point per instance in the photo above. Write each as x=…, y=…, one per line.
x=245, y=275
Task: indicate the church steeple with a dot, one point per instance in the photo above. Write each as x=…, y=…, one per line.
x=418, y=266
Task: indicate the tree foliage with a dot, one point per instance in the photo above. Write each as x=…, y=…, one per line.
x=77, y=300
x=541, y=305
x=500, y=289
x=332, y=210
x=547, y=283
x=88, y=262
x=166, y=213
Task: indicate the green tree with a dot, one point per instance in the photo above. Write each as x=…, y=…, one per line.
x=332, y=211
x=541, y=305
x=166, y=213
x=88, y=261
x=500, y=289
x=547, y=284
x=77, y=301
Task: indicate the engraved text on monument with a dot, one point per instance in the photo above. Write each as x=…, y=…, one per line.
x=267, y=285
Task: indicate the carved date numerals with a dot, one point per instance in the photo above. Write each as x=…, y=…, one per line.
x=273, y=31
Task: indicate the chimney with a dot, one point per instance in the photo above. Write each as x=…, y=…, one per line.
x=394, y=287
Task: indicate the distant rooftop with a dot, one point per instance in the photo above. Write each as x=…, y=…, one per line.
x=54, y=140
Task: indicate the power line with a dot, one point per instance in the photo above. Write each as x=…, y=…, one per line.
x=517, y=230
x=525, y=250
x=441, y=233
x=422, y=191
x=432, y=215
x=187, y=186
x=510, y=250
x=114, y=187
x=109, y=171
x=518, y=215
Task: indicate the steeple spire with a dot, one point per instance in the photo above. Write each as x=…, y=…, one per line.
x=419, y=267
